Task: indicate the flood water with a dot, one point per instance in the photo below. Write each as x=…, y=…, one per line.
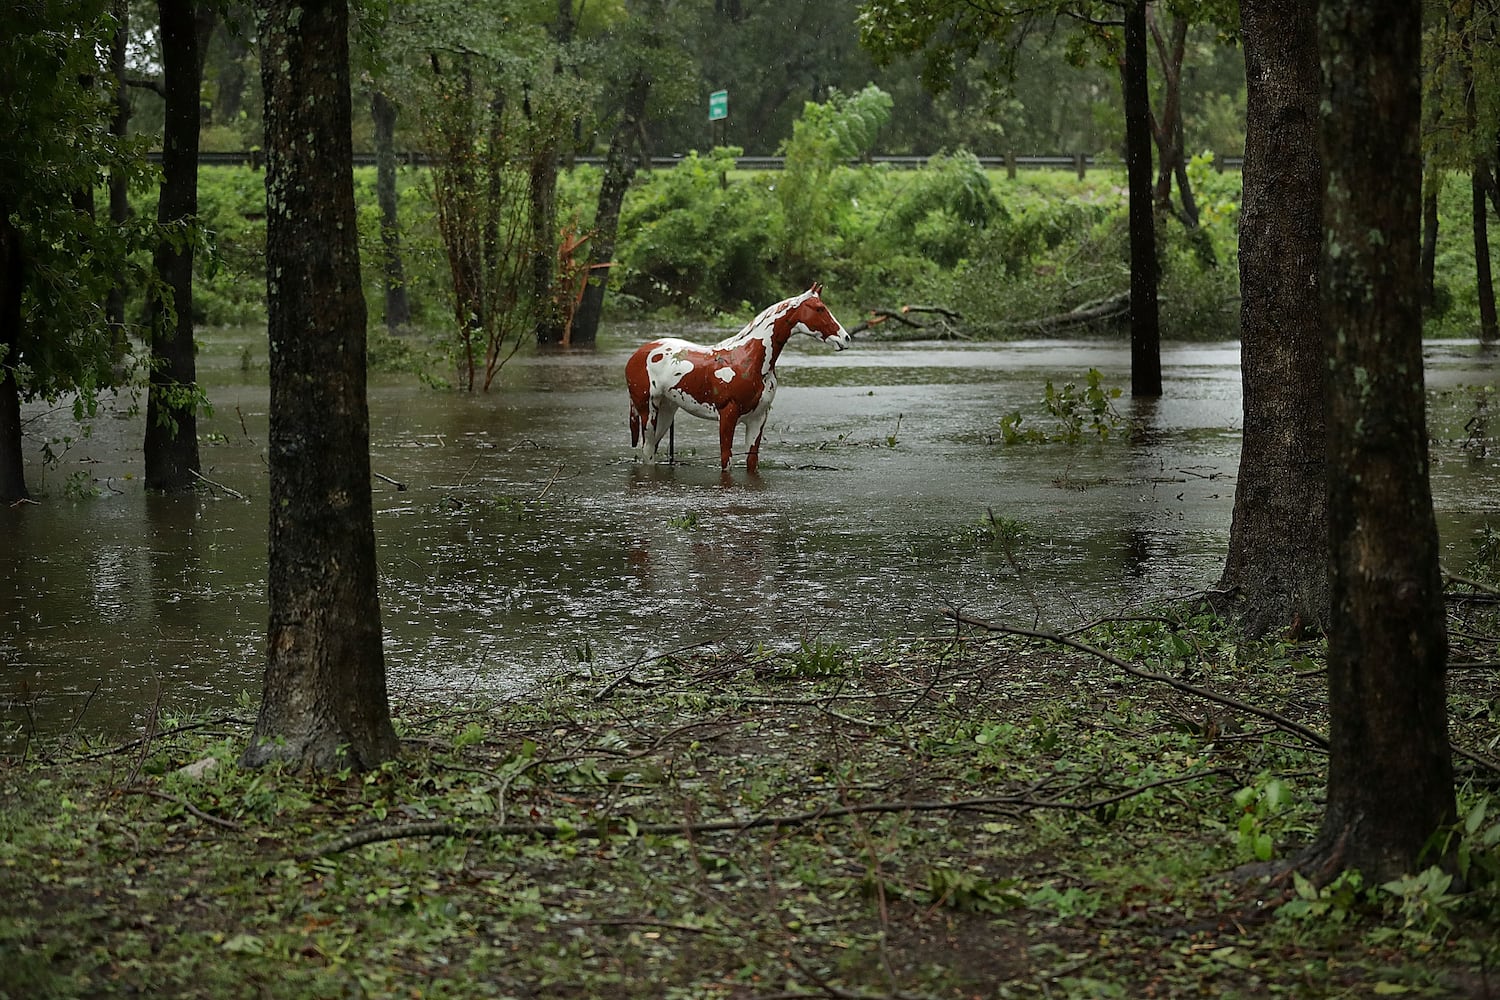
x=528, y=539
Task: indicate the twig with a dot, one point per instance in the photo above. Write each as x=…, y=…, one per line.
x=86, y=703
x=400, y=487
x=548, y=487
x=227, y=824
x=1291, y=726
x=218, y=486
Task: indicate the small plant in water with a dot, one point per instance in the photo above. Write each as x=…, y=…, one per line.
x=819, y=659
x=80, y=486
x=687, y=522
x=1074, y=411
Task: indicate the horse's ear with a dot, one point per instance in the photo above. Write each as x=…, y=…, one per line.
x=817, y=288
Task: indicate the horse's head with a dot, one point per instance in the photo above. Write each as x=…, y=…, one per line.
x=809, y=315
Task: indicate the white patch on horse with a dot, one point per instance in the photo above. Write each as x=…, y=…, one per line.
x=725, y=374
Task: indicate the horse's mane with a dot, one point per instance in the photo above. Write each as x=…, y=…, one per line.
x=769, y=313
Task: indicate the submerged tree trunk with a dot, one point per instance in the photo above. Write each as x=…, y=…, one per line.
x=171, y=449
x=397, y=307
x=1145, y=318
x=323, y=704
x=1479, y=181
x=619, y=168
x=1489, y=325
x=1390, y=777
x=1277, y=568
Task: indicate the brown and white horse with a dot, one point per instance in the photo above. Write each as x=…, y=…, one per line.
x=732, y=381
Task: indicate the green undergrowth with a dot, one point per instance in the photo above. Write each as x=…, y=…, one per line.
x=991, y=816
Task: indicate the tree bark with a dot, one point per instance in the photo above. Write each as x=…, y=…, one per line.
x=1277, y=567
x=1479, y=181
x=619, y=168
x=119, y=191
x=1489, y=324
x=397, y=307
x=1390, y=778
x=1145, y=318
x=171, y=447
x=550, y=324
x=12, y=282
x=324, y=702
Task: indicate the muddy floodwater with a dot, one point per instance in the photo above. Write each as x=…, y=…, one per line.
x=524, y=537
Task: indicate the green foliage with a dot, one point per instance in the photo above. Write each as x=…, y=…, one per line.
x=824, y=137
x=1074, y=412
x=690, y=238
x=1259, y=805
x=56, y=150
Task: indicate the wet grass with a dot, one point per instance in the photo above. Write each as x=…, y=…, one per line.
x=972, y=816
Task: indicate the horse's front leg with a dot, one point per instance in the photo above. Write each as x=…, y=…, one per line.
x=729, y=418
x=662, y=415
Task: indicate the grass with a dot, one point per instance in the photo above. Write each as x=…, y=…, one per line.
x=735, y=824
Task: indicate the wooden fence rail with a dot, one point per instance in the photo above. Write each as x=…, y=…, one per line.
x=1078, y=162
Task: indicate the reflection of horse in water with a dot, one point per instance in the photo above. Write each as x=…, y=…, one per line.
x=733, y=381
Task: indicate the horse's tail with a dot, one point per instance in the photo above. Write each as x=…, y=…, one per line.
x=639, y=384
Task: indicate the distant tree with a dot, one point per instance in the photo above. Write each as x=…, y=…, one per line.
x=383, y=112
x=1390, y=778
x=1277, y=568
x=323, y=702
x=942, y=32
x=58, y=262
x=172, y=399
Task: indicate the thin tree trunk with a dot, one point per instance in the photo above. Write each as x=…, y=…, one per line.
x=1429, y=240
x=171, y=447
x=12, y=282
x=397, y=308
x=324, y=704
x=619, y=168
x=1145, y=319
x=1390, y=777
x=1489, y=325
x=1479, y=180
x=119, y=192
x=1277, y=567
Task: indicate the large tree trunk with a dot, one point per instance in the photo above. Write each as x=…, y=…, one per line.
x=324, y=703
x=171, y=450
x=1277, y=568
x=1145, y=318
x=619, y=168
x=12, y=281
x=1390, y=778
x=397, y=308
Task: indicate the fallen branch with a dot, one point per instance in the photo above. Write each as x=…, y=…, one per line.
x=1099, y=311
x=1280, y=721
x=598, y=831
x=218, y=486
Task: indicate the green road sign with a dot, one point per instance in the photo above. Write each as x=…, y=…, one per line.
x=718, y=105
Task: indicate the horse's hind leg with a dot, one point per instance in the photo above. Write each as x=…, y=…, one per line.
x=729, y=417
x=755, y=429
